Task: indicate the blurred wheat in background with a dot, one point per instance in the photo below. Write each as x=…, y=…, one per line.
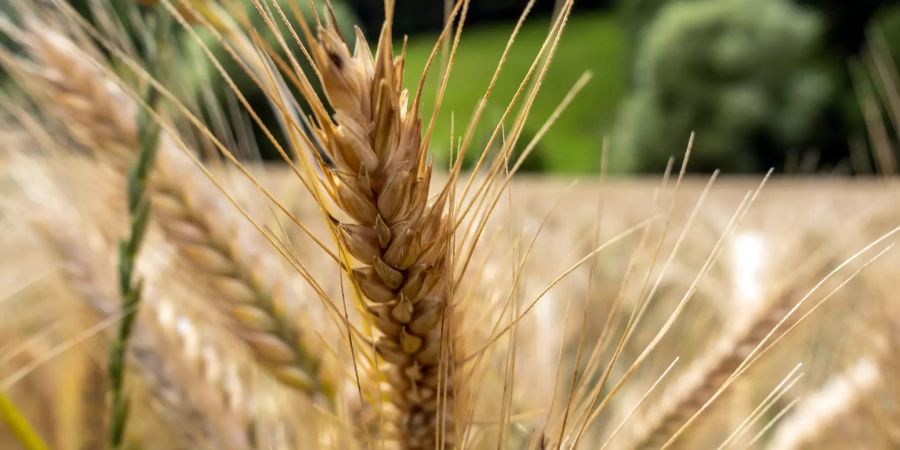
x=389, y=281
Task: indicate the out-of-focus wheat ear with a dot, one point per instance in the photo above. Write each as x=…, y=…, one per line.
x=703, y=379
x=72, y=89
x=198, y=382
x=217, y=243
x=195, y=405
x=838, y=400
x=714, y=372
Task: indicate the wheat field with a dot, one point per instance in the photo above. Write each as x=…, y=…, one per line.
x=161, y=290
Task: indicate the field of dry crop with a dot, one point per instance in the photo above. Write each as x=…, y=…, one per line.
x=203, y=383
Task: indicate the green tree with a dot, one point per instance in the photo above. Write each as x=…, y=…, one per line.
x=886, y=26
x=741, y=73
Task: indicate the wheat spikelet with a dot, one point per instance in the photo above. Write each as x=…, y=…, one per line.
x=380, y=179
x=186, y=205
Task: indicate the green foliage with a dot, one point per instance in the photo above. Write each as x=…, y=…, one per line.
x=738, y=72
x=887, y=27
x=592, y=41
x=637, y=14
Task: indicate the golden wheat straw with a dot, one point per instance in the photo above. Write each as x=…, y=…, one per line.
x=190, y=211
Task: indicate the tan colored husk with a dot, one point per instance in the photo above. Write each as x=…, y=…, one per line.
x=191, y=211
x=380, y=179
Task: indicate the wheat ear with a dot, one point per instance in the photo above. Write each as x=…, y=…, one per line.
x=380, y=179
x=196, y=404
x=706, y=377
x=199, y=403
x=190, y=210
x=836, y=401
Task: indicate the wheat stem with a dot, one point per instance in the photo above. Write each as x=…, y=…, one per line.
x=19, y=425
x=130, y=286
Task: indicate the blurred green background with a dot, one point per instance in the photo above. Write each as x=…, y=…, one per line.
x=764, y=83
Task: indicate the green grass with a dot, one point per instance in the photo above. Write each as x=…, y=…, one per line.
x=592, y=42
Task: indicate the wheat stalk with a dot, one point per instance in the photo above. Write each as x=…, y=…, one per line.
x=131, y=286
x=19, y=425
x=101, y=116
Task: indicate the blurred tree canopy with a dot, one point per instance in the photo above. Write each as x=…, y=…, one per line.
x=741, y=73
x=887, y=24
x=844, y=20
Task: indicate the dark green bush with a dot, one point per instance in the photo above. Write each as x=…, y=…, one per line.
x=741, y=73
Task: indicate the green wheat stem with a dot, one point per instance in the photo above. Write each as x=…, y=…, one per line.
x=131, y=286
x=19, y=425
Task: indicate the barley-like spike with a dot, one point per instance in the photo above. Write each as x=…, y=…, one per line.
x=400, y=240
